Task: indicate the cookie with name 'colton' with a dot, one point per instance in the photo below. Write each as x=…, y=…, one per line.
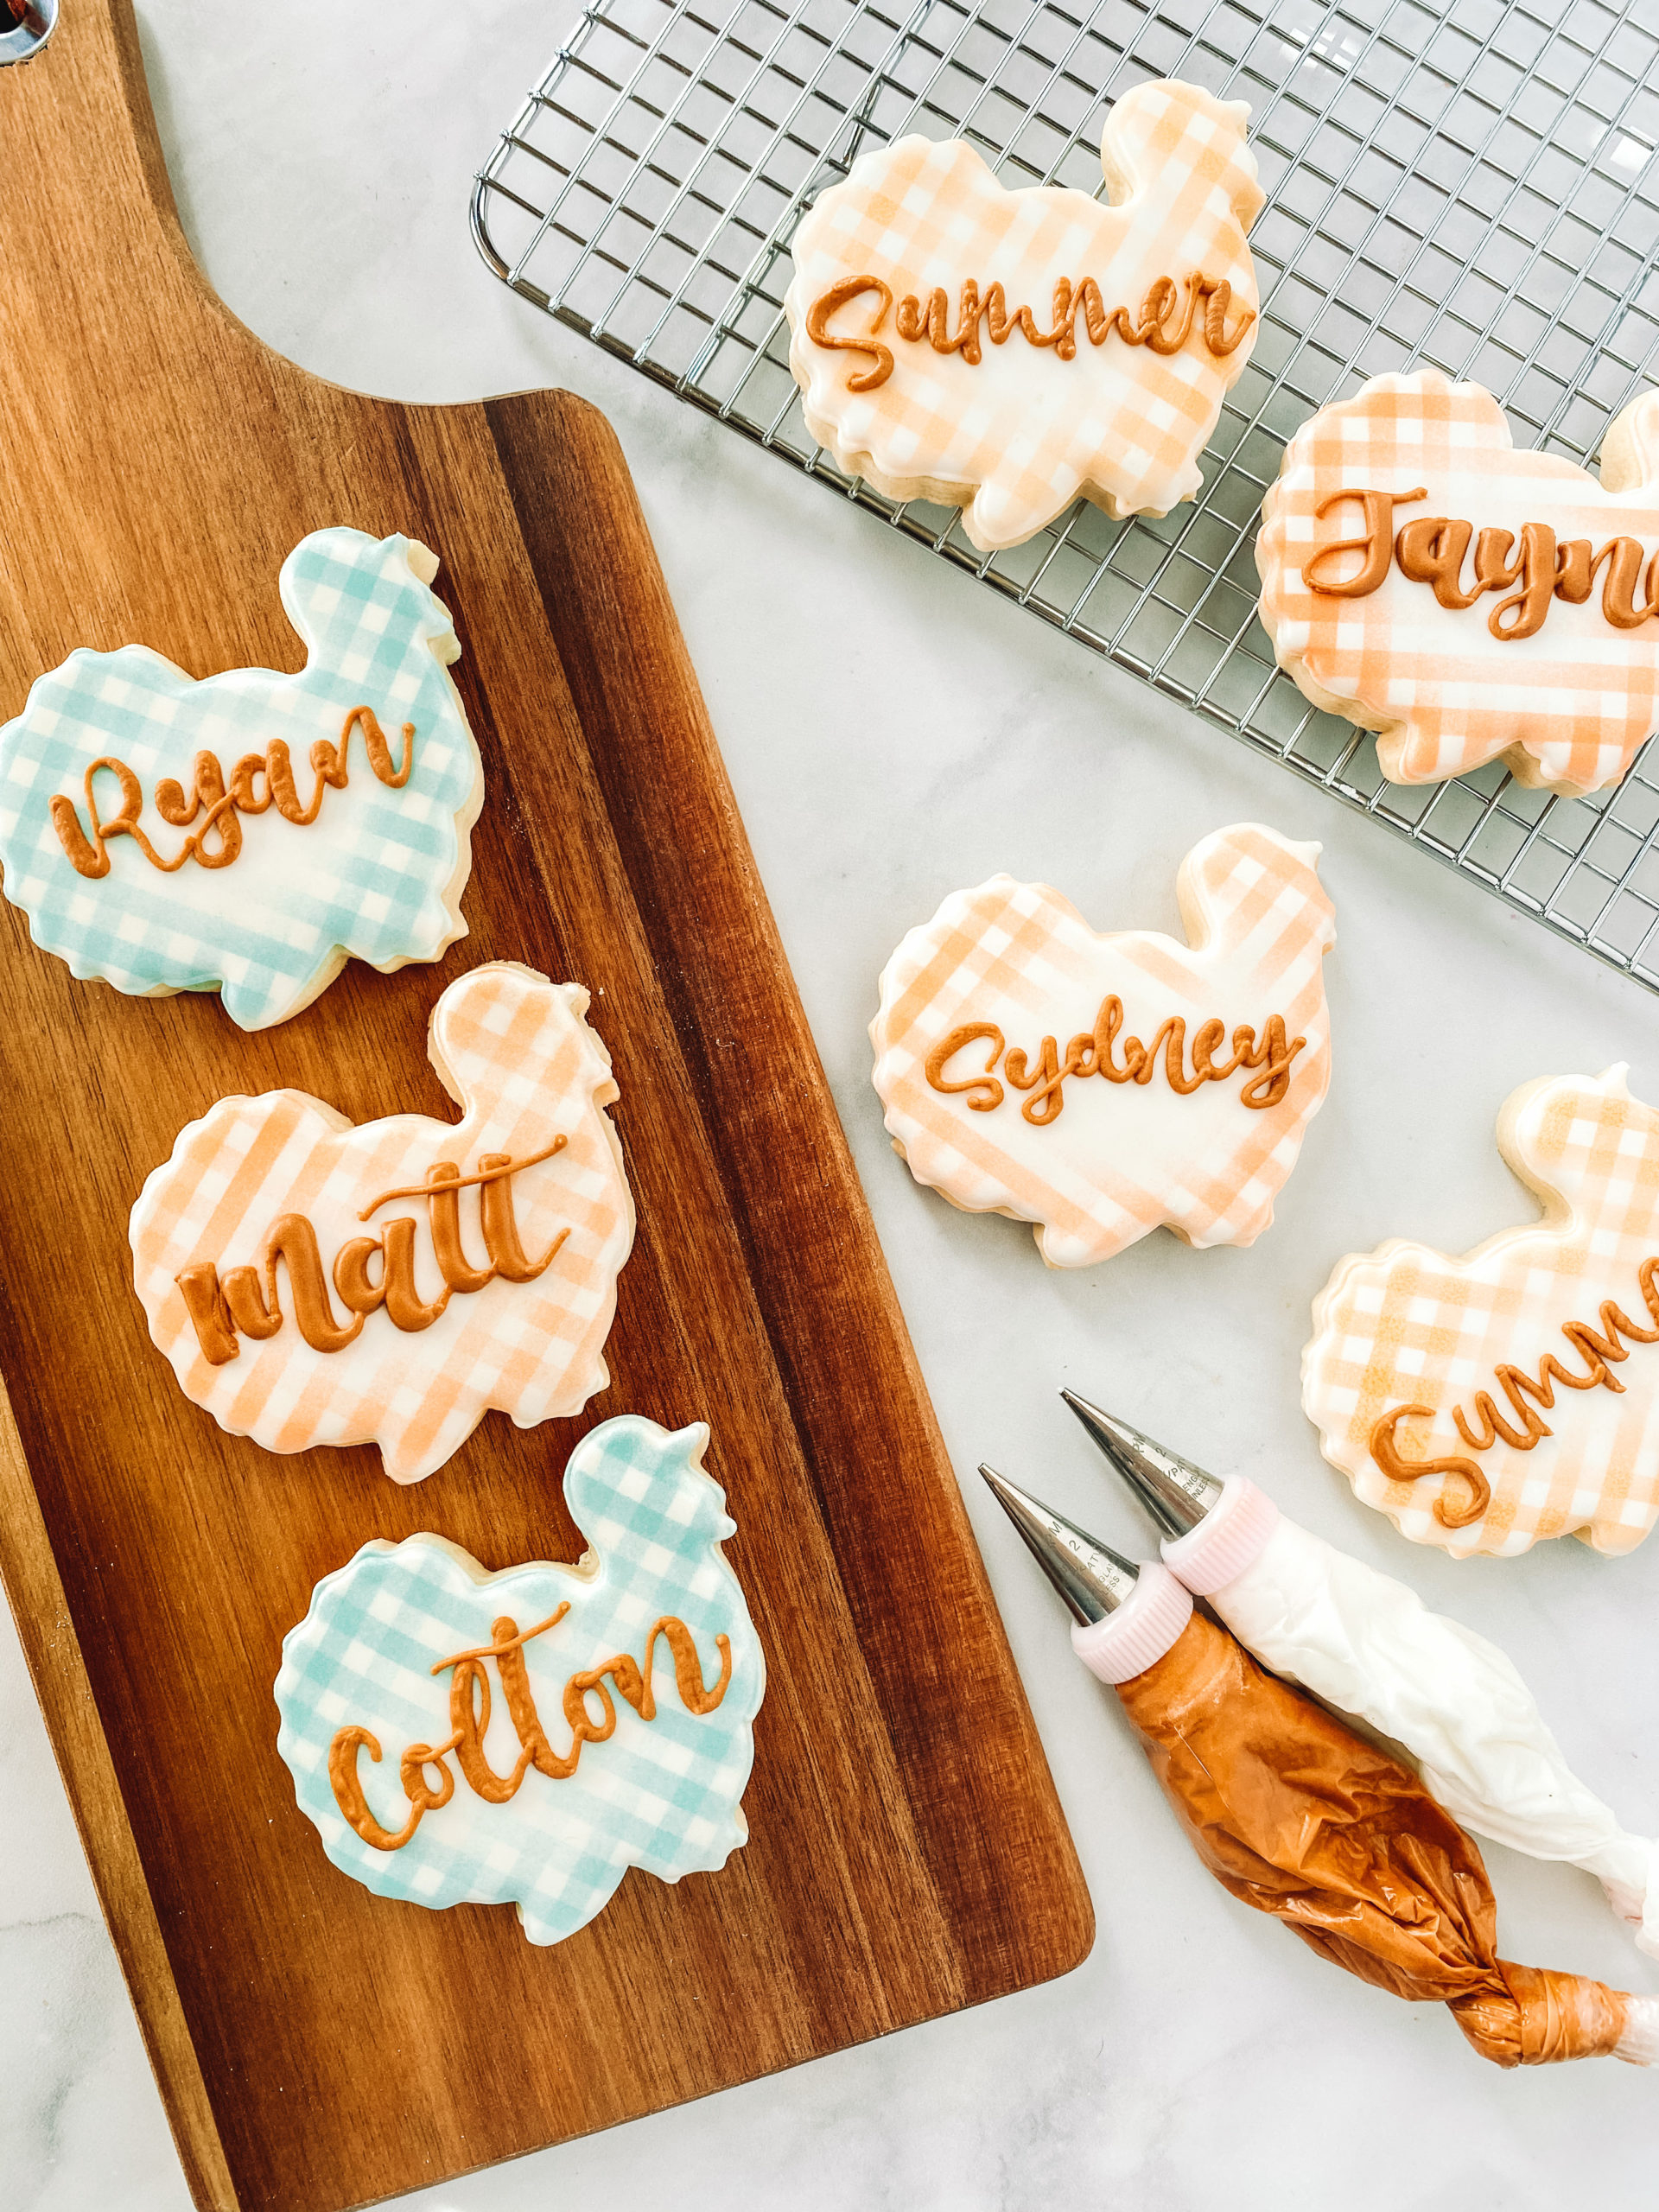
x=1003, y=351
x=315, y=1282
x=250, y=832
x=1466, y=598
x=1100, y=1085
x=1488, y=1400
x=457, y=1737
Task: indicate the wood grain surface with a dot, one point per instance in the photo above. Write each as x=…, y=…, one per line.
x=318, y=2047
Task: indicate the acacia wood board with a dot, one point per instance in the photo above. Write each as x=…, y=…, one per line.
x=318, y=2047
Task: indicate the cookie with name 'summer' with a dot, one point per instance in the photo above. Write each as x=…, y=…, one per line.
x=1003, y=351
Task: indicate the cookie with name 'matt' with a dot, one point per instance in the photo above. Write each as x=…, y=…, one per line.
x=312, y=1281
x=1003, y=350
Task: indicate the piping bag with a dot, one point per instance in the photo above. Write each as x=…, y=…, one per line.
x=1297, y=1816
x=1365, y=1643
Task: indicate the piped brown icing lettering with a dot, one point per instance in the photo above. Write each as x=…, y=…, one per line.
x=1600, y=1349
x=1097, y=1052
x=1434, y=549
x=258, y=781
x=245, y=1303
x=1165, y=320
x=469, y=1720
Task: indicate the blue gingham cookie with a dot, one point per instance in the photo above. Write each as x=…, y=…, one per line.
x=458, y=1737
x=250, y=832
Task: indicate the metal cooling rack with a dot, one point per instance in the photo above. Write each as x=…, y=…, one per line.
x=1472, y=185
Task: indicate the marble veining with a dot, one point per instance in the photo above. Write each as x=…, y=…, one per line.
x=891, y=736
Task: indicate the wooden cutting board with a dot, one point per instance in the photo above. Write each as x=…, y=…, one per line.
x=318, y=2047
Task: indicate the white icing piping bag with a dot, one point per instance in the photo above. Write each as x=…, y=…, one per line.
x=1367, y=1644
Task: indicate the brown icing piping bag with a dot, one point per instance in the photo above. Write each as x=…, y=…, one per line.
x=1297, y=1816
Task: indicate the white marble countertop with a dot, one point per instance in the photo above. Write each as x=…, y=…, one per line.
x=894, y=733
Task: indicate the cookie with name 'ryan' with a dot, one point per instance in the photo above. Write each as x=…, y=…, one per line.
x=1466, y=599
x=1100, y=1085
x=1487, y=1400
x=1003, y=351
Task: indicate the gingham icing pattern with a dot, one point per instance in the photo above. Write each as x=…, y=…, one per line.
x=1015, y=439
x=1406, y=1326
x=517, y=1052
x=662, y=1794
x=379, y=875
x=1567, y=707
x=1121, y=1160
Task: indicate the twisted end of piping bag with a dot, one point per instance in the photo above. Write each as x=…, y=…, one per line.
x=1211, y=1530
x=1125, y=1615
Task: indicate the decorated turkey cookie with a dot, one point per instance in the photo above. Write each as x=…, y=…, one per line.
x=463, y=1738
x=1486, y=1401
x=1003, y=351
x=313, y=1282
x=249, y=833
x=1100, y=1085
x=1466, y=600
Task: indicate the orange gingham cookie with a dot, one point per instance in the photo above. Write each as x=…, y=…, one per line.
x=1566, y=707
x=393, y=1314
x=1017, y=964
x=1564, y=1309
x=1013, y=438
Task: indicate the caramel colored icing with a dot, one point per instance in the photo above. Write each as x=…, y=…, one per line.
x=1434, y=549
x=427, y=1783
x=1300, y=1818
x=246, y=1302
x=1164, y=320
x=258, y=780
x=1096, y=1052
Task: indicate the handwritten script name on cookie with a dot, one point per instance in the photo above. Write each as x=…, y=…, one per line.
x=1092, y=1052
x=1433, y=550
x=1600, y=1351
x=242, y=1304
x=469, y=1718
x=223, y=799
x=1166, y=317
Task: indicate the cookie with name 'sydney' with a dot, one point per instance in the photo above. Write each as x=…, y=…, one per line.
x=249, y=833
x=1100, y=1085
x=1468, y=599
x=312, y=1281
x=1003, y=351
x=458, y=1737
x=1488, y=1400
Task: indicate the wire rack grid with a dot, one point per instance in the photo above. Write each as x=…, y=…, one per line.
x=1470, y=185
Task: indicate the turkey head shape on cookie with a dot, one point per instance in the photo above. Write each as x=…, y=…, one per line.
x=1487, y=1400
x=1101, y=1086
x=1003, y=351
x=316, y=1282
x=1467, y=600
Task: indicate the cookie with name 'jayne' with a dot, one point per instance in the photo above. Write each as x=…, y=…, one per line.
x=250, y=832
x=314, y=1282
x=1100, y=1086
x=1467, y=600
x=1487, y=1400
x=1003, y=351
x=463, y=1738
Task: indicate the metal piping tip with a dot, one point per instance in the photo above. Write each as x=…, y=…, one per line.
x=1175, y=1493
x=1090, y=1576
